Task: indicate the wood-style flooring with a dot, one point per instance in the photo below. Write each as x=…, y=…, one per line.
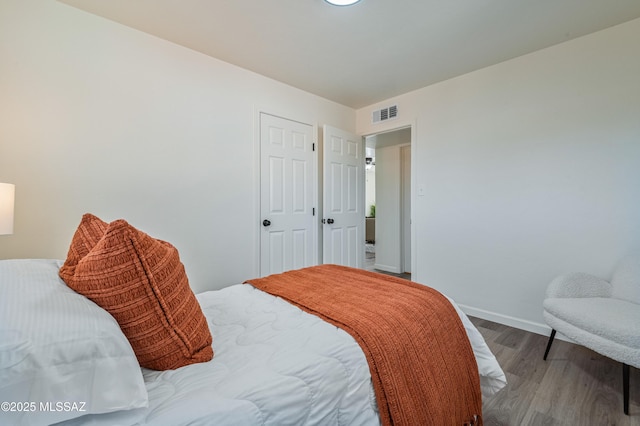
x=574, y=386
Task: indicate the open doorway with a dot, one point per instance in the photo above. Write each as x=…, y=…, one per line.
x=388, y=202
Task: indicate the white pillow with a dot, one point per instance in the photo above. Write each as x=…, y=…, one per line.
x=61, y=355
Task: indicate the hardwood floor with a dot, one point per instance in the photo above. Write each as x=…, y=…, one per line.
x=574, y=386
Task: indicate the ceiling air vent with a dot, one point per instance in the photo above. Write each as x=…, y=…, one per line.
x=384, y=114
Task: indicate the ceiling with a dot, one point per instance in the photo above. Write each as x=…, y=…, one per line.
x=369, y=52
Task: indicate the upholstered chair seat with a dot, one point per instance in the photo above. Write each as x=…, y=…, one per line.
x=601, y=315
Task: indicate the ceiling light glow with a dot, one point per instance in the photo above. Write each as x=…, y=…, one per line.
x=342, y=2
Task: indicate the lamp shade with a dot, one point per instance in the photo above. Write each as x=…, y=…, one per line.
x=7, y=196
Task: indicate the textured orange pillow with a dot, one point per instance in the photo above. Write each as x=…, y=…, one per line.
x=89, y=232
x=142, y=283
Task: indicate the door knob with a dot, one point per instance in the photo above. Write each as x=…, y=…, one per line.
x=266, y=222
x=330, y=221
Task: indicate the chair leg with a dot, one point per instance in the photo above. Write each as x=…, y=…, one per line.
x=625, y=387
x=546, y=352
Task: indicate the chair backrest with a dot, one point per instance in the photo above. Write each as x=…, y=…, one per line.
x=626, y=279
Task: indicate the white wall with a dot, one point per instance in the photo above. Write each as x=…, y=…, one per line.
x=405, y=206
x=530, y=168
x=96, y=117
x=388, y=209
x=370, y=189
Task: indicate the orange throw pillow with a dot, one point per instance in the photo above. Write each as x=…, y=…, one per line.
x=141, y=282
x=89, y=232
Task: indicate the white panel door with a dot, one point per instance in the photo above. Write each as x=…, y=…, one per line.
x=287, y=195
x=343, y=198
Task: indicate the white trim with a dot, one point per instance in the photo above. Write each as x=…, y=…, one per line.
x=521, y=324
x=387, y=268
x=414, y=180
x=403, y=203
x=256, y=190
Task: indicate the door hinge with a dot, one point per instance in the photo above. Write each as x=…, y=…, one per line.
x=313, y=147
x=313, y=211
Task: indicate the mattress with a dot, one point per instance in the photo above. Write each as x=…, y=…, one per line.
x=274, y=365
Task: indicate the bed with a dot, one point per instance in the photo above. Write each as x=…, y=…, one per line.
x=65, y=359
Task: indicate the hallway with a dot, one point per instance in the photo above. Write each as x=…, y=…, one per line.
x=370, y=260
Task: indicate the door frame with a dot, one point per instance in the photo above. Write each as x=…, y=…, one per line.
x=405, y=198
x=399, y=125
x=291, y=115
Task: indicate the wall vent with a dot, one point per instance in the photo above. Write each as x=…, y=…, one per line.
x=384, y=114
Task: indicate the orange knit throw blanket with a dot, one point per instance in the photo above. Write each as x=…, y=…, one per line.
x=421, y=362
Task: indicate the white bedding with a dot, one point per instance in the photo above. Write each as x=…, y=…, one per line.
x=274, y=365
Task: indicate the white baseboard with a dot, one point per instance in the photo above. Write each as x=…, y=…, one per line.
x=533, y=327
x=387, y=268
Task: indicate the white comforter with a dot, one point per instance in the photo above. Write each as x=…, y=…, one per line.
x=274, y=365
